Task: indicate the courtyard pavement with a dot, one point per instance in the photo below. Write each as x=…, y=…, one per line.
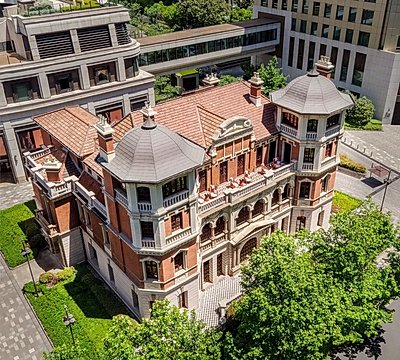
x=21, y=336
x=12, y=194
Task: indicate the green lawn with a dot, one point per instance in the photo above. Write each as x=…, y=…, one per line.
x=13, y=223
x=344, y=202
x=88, y=300
x=373, y=125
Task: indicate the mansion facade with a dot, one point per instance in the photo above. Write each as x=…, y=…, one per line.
x=171, y=198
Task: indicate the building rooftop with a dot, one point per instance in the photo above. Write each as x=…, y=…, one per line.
x=73, y=127
x=311, y=94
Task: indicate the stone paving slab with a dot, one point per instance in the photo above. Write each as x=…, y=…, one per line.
x=13, y=194
x=21, y=336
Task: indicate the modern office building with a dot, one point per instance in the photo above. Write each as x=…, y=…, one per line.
x=170, y=200
x=362, y=39
x=50, y=59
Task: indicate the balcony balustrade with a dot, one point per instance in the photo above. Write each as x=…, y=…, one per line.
x=145, y=207
x=288, y=130
x=90, y=199
x=179, y=236
x=53, y=190
x=149, y=243
x=175, y=198
x=332, y=130
x=328, y=162
x=311, y=135
x=307, y=167
x=121, y=197
x=50, y=229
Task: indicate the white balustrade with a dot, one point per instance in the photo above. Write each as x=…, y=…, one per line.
x=333, y=130
x=329, y=161
x=311, y=135
x=99, y=207
x=210, y=204
x=288, y=130
x=149, y=244
x=176, y=237
x=120, y=196
x=175, y=198
x=308, y=167
x=145, y=207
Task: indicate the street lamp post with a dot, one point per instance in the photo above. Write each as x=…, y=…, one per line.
x=387, y=182
x=69, y=320
x=25, y=251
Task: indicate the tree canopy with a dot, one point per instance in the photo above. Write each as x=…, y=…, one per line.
x=272, y=76
x=362, y=112
x=304, y=295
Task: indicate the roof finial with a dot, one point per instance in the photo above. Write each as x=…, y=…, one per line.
x=148, y=116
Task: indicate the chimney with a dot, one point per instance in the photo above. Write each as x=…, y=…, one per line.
x=105, y=136
x=211, y=80
x=255, y=89
x=52, y=167
x=324, y=66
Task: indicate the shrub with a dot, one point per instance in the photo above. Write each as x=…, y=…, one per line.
x=37, y=242
x=48, y=278
x=228, y=79
x=361, y=113
x=32, y=230
x=66, y=273
x=348, y=163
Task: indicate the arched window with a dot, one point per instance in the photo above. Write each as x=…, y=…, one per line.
x=243, y=216
x=275, y=197
x=247, y=249
x=151, y=268
x=286, y=192
x=325, y=184
x=258, y=208
x=143, y=194
x=300, y=222
x=205, y=233
x=219, y=226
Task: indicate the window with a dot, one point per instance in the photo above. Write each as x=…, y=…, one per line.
x=322, y=50
x=143, y=194
x=135, y=299
x=131, y=67
x=367, y=17
x=359, y=66
x=363, y=38
x=305, y=188
x=311, y=54
x=300, y=54
x=327, y=10
x=314, y=28
x=220, y=270
x=334, y=54
x=174, y=186
x=291, y=51
x=290, y=119
x=325, y=184
x=151, y=268
x=247, y=249
x=205, y=233
x=312, y=125
x=349, y=36
x=345, y=64
x=320, y=218
x=202, y=180
x=176, y=222
x=303, y=26
x=259, y=156
x=398, y=43
x=304, y=8
x=316, y=8
x=219, y=226
x=111, y=273
x=179, y=261
x=336, y=33
x=293, y=28
x=147, y=230
x=328, y=150
x=352, y=15
x=183, y=300
x=63, y=83
x=223, y=172
x=284, y=4
x=241, y=164
x=22, y=91
x=325, y=30
x=274, y=4
x=243, y=216
x=285, y=192
x=300, y=222
x=275, y=198
x=258, y=208
x=102, y=75
x=295, y=4
x=339, y=12
x=309, y=155
x=333, y=121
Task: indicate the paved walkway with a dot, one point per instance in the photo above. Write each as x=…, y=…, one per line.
x=21, y=336
x=12, y=194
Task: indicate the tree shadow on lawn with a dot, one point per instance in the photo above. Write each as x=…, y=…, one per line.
x=93, y=296
x=371, y=347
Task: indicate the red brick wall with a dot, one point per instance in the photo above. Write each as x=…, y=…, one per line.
x=97, y=229
x=66, y=214
x=132, y=264
x=124, y=221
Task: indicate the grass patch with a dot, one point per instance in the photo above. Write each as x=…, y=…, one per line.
x=343, y=202
x=373, y=125
x=91, y=303
x=13, y=224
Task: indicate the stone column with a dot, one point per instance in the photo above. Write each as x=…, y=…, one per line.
x=121, y=69
x=3, y=100
x=44, y=86
x=75, y=41
x=14, y=153
x=84, y=77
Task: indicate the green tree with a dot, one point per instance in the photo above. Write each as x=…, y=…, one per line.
x=69, y=352
x=272, y=76
x=163, y=88
x=168, y=14
x=228, y=79
x=241, y=14
x=304, y=295
x=168, y=334
x=361, y=113
x=199, y=13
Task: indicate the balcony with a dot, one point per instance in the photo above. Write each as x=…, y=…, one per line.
x=307, y=167
x=228, y=193
x=311, y=136
x=332, y=130
x=145, y=207
x=148, y=243
x=330, y=161
x=53, y=190
x=288, y=130
x=175, y=198
x=121, y=197
x=90, y=199
x=178, y=236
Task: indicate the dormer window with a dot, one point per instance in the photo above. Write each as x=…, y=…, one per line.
x=290, y=119
x=312, y=125
x=174, y=186
x=143, y=194
x=333, y=121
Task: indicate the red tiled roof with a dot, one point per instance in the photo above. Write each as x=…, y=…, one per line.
x=73, y=127
x=196, y=116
